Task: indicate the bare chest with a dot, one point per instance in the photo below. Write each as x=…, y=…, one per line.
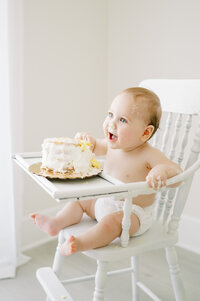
x=125, y=167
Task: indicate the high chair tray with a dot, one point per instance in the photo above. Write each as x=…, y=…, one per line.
x=59, y=189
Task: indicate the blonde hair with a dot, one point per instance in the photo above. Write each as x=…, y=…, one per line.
x=151, y=104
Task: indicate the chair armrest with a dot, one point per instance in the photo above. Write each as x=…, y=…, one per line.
x=138, y=188
x=142, y=188
x=185, y=174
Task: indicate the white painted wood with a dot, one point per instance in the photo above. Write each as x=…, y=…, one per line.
x=171, y=193
x=175, y=137
x=126, y=221
x=58, y=258
x=95, y=187
x=165, y=139
x=24, y=162
x=160, y=205
x=185, y=138
x=168, y=204
x=52, y=286
x=166, y=134
x=176, y=95
x=100, y=280
x=92, y=277
x=156, y=237
x=148, y=291
x=174, y=270
x=183, y=191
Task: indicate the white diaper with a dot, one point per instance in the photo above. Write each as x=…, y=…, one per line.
x=105, y=206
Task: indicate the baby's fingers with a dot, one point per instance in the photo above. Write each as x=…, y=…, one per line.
x=79, y=135
x=82, y=136
x=151, y=181
x=155, y=182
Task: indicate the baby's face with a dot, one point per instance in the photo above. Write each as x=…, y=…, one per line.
x=123, y=126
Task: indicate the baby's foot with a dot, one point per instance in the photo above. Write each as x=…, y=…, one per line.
x=45, y=223
x=70, y=246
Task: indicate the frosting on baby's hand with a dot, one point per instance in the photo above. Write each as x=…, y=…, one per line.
x=86, y=137
x=155, y=182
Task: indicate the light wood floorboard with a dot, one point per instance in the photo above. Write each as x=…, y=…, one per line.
x=154, y=273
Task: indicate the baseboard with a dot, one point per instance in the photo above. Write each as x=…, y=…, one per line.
x=32, y=236
x=189, y=230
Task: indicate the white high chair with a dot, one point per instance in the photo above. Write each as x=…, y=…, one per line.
x=180, y=100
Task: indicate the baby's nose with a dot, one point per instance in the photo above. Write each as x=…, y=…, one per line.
x=112, y=125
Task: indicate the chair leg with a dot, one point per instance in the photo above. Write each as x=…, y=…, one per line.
x=175, y=274
x=58, y=258
x=135, y=277
x=100, y=280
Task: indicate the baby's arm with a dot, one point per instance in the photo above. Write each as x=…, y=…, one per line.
x=161, y=169
x=98, y=146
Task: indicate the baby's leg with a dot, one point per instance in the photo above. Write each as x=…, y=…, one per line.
x=109, y=228
x=70, y=214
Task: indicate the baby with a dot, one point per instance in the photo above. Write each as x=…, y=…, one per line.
x=132, y=120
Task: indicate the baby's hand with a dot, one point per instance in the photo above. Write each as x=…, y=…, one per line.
x=87, y=137
x=156, y=178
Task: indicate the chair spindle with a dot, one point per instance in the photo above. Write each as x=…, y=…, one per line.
x=163, y=149
x=171, y=193
x=126, y=221
x=184, y=189
x=185, y=138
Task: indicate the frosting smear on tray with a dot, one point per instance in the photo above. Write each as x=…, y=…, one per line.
x=65, y=155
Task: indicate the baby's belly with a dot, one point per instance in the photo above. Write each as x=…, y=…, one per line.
x=130, y=177
x=125, y=175
x=144, y=200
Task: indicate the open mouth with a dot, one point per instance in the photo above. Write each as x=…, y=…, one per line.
x=112, y=137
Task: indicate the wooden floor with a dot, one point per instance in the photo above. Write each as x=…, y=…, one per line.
x=154, y=273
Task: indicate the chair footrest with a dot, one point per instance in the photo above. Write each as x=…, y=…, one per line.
x=92, y=277
x=52, y=285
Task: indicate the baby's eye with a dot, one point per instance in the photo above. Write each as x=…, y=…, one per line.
x=110, y=114
x=123, y=120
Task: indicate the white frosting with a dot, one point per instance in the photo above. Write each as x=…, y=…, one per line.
x=65, y=154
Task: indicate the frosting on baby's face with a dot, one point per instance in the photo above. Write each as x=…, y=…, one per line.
x=124, y=124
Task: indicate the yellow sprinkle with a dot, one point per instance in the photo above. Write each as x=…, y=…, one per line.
x=85, y=145
x=95, y=163
x=116, y=246
x=63, y=297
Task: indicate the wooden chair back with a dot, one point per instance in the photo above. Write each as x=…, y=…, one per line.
x=178, y=137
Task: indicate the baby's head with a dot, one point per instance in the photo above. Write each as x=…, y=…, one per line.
x=146, y=105
x=133, y=118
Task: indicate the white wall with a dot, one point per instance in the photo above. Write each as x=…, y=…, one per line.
x=156, y=39
x=152, y=39
x=64, y=81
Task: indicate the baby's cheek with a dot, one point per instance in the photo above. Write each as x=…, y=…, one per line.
x=105, y=126
x=125, y=134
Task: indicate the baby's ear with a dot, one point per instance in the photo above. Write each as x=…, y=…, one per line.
x=148, y=132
